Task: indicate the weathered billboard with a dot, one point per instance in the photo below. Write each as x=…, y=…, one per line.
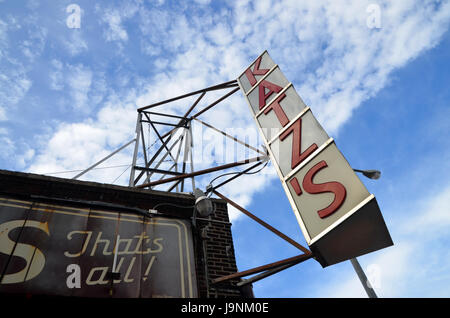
x=71, y=249
x=339, y=218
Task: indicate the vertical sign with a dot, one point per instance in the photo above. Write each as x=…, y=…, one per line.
x=339, y=218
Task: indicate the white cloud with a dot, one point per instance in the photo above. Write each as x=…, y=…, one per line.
x=14, y=84
x=433, y=220
x=7, y=147
x=14, y=79
x=335, y=61
x=2, y=114
x=203, y=2
x=75, y=44
x=116, y=31
x=79, y=145
x=56, y=76
x=79, y=80
x=114, y=18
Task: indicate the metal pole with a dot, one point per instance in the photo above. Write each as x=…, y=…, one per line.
x=200, y=172
x=191, y=145
x=259, y=269
x=104, y=159
x=261, y=222
x=136, y=148
x=363, y=278
x=268, y=273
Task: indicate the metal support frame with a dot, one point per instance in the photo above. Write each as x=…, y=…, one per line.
x=276, y=265
x=152, y=166
x=261, y=222
x=269, y=269
x=177, y=178
x=178, y=170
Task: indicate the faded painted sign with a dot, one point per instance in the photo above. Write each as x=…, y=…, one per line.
x=56, y=249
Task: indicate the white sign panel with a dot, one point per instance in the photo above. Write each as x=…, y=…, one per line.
x=322, y=188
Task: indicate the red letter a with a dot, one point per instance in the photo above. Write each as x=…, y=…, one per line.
x=256, y=71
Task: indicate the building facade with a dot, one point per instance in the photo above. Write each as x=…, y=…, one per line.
x=62, y=237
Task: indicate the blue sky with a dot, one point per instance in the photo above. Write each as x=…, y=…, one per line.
x=68, y=97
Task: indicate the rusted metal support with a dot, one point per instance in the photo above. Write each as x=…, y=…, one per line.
x=148, y=164
x=104, y=159
x=298, y=259
x=228, y=84
x=164, y=143
x=269, y=272
x=186, y=114
x=216, y=102
x=261, y=222
x=158, y=171
x=200, y=172
x=231, y=137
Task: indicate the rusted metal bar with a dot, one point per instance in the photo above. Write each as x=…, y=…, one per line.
x=261, y=222
x=200, y=172
x=104, y=159
x=158, y=171
x=299, y=258
x=164, y=115
x=216, y=102
x=186, y=114
x=270, y=272
x=144, y=149
x=211, y=88
x=148, y=164
x=174, y=185
x=162, y=123
x=231, y=137
x=164, y=143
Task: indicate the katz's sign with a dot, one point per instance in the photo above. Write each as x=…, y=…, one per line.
x=339, y=218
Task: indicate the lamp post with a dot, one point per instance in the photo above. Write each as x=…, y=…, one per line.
x=371, y=174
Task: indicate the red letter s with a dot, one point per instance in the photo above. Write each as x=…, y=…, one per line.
x=335, y=187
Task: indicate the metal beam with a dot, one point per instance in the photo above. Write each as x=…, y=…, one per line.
x=104, y=159
x=228, y=84
x=158, y=171
x=261, y=222
x=200, y=172
x=216, y=102
x=186, y=114
x=164, y=143
x=152, y=159
x=269, y=272
x=259, y=269
x=136, y=149
x=231, y=137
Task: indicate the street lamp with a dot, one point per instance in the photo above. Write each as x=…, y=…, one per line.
x=203, y=205
x=371, y=174
x=374, y=175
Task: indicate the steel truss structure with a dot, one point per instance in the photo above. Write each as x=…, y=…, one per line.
x=176, y=148
x=176, y=145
